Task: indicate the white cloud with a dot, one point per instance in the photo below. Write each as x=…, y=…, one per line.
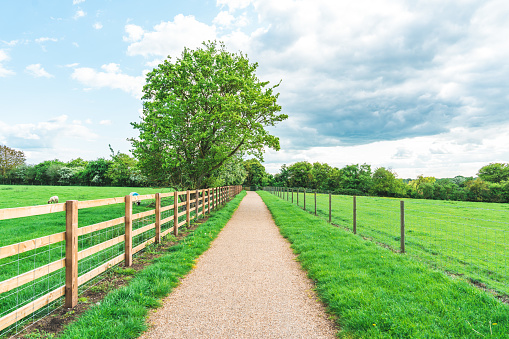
x=45, y=39
x=37, y=71
x=168, y=38
x=75, y=44
x=72, y=65
x=105, y=122
x=224, y=19
x=4, y=72
x=234, y=4
x=76, y=2
x=97, y=25
x=45, y=134
x=10, y=43
x=79, y=14
x=112, y=77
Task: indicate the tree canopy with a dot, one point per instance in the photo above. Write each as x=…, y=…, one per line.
x=199, y=111
x=10, y=159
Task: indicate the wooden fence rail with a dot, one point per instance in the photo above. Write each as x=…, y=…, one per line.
x=204, y=202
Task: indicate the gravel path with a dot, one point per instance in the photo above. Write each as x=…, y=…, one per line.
x=247, y=285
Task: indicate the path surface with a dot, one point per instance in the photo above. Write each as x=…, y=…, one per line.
x=247, y=285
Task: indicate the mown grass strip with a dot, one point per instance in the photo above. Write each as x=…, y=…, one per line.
x=375, y=293
x=122, y=313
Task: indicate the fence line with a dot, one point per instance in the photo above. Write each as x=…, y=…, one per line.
x=105, y=244
x=452, y=236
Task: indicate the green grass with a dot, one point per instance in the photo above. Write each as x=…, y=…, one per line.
x=122, y=314
x=464, y=238
x=21, y=229
x=376, y=293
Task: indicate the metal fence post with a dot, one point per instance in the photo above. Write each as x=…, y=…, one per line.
x=128, y=231
x=158, y=218
x=71, y=253
x=354, y=214
x=402, y=223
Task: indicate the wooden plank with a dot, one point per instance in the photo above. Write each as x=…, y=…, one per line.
x=143, y=229
x=98, y=270
x=166, y=208
x=128, y=230
x=165, y=195
x=143, y=214
x=165, y=220
x=167, y=231
x=182, y=203
x=30, y=308
x=146, y=196
x=99, y=247
x=71, y=254
x=143, y=245
x=183, y=222
x=27, y=277
x=100, y=226
x=29, y=211
x=181, y=213
x=10, y=250
x=100, y=202
x=158, y=218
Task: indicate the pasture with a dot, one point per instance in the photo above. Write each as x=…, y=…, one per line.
x=467, y=239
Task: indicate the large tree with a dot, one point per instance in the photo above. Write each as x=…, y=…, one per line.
x=199, y=111
x=10, y=159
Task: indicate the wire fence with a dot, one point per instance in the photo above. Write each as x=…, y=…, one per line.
x=462, y=238
x=34, y=273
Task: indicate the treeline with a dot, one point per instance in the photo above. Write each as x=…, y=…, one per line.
x=490, y=185
x=120, y=170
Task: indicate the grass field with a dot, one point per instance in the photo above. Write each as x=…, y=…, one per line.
x=375, y=293
x=21, y=229
x=462, y=238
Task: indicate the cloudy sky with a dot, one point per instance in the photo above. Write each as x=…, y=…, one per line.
x=417, y=86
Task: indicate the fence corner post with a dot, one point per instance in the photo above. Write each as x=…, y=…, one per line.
x=354, y=214
x=128, y=261
x=158, y=218
x=175, y=213
x=402, y=224
x=71, y=253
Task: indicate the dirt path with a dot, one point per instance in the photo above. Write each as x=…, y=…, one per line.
x=247, y=285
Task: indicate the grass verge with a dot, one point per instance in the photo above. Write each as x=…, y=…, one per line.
x=122, y=313
x=375, y=293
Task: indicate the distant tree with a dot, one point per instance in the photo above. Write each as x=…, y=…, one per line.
x=423, y=186
x=255, y=173
x=121, y=167
x=280, y=179
x=10, y=159
x=299, y=174
x=478, y=190
x=201, y=110
x=233, y=172
x=356, y=177
x=384, y=182
x=78, y=162
x=95, y=172
x=494, y=172
x=320, y=174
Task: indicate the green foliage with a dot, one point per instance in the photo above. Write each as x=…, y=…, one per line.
x=375, y=293
x=10, y=159
x=231, y=173
x=299, y=174
x=256, y=174
x=200, y=110
x=356, y=177
x=494, y=172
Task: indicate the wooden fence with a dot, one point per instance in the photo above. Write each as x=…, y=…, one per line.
x=206, y=199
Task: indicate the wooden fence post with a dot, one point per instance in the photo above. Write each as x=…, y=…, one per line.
x=330, y=208
x=188, y=208
x=71, y=253
x=297, y=196
x=292, y=195
x=304, y=199
x=196, y=204
x=354, y=214
x=315, y=202
x=208, y=201
x=203, y=208
x=128, y=261
x=402, y=223
x=175, y=213
x=158, y=218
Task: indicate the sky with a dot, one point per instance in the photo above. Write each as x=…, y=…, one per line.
x=420, y=87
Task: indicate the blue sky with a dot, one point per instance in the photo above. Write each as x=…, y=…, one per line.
x=417, y=86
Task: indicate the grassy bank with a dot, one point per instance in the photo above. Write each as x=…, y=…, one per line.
x=376, y=293
x=123, y=312
x=466, y=238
